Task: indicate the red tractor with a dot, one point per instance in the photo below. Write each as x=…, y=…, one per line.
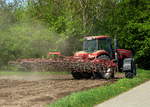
x=100, y=47
x=97, y=60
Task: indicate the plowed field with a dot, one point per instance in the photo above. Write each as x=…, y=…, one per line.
x=39, y=90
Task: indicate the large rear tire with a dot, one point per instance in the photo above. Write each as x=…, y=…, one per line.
x=81, y=75
x=86, y=75
x=99, y=75
x=76, y=75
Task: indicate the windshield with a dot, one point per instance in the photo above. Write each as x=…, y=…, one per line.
x=105, y=44
x=97, y=44
x=90, y=45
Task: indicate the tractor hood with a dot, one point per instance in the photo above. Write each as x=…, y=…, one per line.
x=84, y=55
x=123, y=53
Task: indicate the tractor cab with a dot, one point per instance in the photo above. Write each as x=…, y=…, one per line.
x=95, y=43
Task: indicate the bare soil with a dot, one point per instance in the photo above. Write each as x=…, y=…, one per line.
x=39, y=90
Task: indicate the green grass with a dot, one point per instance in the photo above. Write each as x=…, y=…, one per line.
x=97, y=95
x=16, y=70
x=28, y=73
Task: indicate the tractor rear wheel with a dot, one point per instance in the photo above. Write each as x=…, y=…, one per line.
x=86, y=75
x=76, y=75
x=97, y=75
x=81, y=75
x=102, y=74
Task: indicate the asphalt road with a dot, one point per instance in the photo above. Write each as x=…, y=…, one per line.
x=136, y=97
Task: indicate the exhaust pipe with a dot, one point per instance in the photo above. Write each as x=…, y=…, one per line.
x=115, y=48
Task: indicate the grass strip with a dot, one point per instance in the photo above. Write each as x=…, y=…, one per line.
x=28, y=73
x=98, y=95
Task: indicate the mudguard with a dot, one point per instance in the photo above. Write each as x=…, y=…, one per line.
x=129, y=67
x=127, y=64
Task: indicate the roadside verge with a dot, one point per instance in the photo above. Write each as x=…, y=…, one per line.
x=98, y=95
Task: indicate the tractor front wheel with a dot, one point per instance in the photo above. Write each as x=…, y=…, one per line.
x=129, y=67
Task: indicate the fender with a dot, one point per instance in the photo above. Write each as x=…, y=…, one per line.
x=93, y=55
x=100, y=52
x=81, y=54
x=129, y=67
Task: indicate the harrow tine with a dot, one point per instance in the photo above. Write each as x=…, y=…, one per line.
x=68, y=64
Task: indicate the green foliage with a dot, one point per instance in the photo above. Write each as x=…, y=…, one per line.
x=34, y=27
x=95, y=96
x=134, y=31
x=27, y=39
x=129, y=20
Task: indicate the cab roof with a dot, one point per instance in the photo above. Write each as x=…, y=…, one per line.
x=96, y=37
